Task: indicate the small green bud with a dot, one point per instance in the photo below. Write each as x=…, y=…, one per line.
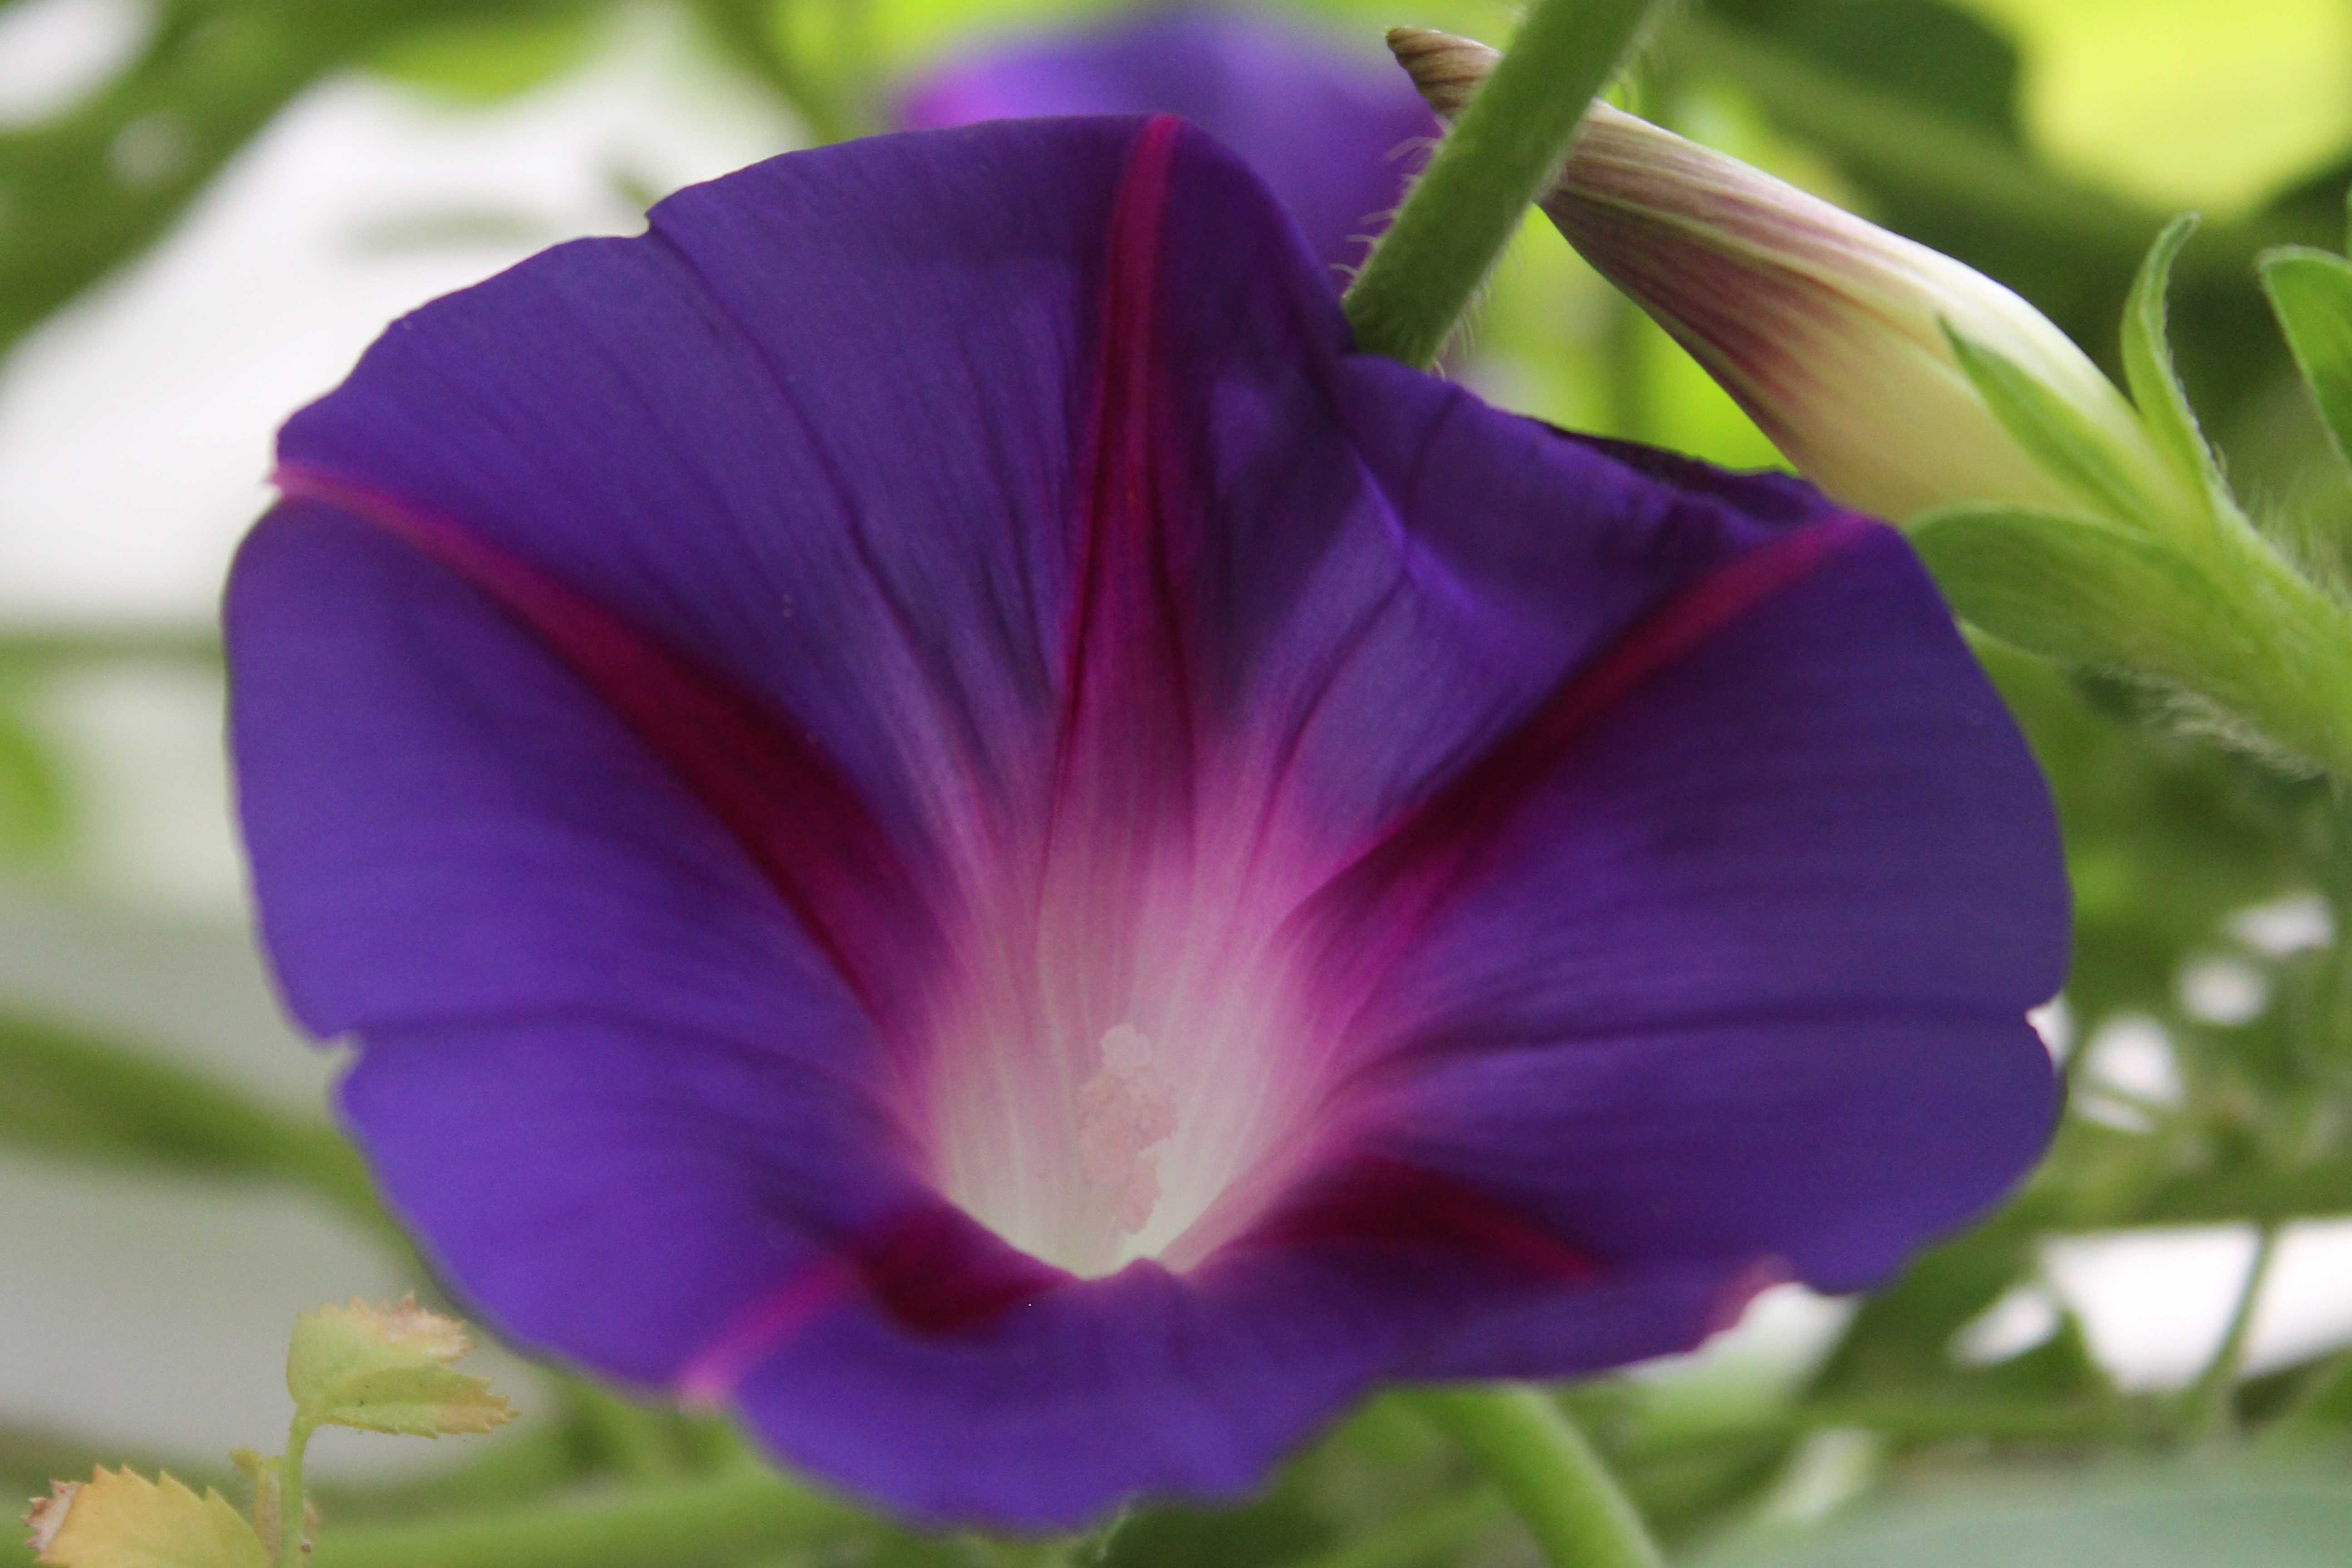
x=386, y=1369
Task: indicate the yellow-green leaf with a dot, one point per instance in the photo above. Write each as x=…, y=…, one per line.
x=120, y=1519
x=386, y=1369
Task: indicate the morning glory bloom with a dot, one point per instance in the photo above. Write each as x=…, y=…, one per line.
x=1334, y=134
x=938, y=815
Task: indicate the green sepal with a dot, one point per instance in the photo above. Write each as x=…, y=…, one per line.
x=2056, y=434
x=2148, y=369
x=386, y=1369
x=2311, y=293
x=2225, y=620
x=2079, y=588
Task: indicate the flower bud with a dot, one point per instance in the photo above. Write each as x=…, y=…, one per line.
x=1836, y=336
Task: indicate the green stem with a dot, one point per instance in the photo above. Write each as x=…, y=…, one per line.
x=1503, y=151
x=45, y=648
x=290, y=1495
x=1436, y=1532
x=2207, y=1406
x=1524, y=1444
x=725, y=1519
x=639, y=1442
x=511, y=1470
x=70, y=1094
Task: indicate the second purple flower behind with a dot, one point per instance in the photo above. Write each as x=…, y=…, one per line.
x=1336, y=136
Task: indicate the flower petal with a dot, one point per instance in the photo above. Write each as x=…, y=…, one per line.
x=1147, y=1383
x=447, y=825
x=629, y=1198
x=812, y=434
x=1725, y=953
x=1142, y=1383
x=1333, y=136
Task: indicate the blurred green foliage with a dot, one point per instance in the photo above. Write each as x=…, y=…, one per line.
x=2120, y=1521
x=1929, y=117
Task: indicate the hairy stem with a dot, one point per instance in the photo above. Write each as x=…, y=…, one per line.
x=1501, y=153
x=1436, y=1531
x=290, y=1495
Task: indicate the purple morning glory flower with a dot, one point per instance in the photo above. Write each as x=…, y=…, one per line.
x=937, y=814
x=1336, y=136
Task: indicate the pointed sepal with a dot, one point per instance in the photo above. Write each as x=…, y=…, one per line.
x=2241, y=645
x=2311, y=293
x=2148, y=369
x=2118, y=479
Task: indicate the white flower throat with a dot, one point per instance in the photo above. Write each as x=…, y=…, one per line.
x=1125, y=1116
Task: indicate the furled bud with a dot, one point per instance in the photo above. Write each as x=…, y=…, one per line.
x=1843, y=342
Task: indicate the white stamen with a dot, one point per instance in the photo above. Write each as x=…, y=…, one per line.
x=1125, y=1113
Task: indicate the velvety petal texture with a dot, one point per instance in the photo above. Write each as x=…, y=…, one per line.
x=938, y=816
x=1335, y=133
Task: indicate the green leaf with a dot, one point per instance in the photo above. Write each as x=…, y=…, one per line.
x=1900, y=1335
x=2058, y=1372
x=2058, y=436
x=76, y=1095
x=34, y=810
x=481, y=60
x=2326, y=1405
x=386, y=1369
x=2150, y=1519
x=119, y=1519
x=2148, y=371
x=2311, y=292
x=1943, y=58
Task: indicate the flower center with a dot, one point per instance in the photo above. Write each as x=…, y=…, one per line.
x=1089, y=1143
x=1125, y=1115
